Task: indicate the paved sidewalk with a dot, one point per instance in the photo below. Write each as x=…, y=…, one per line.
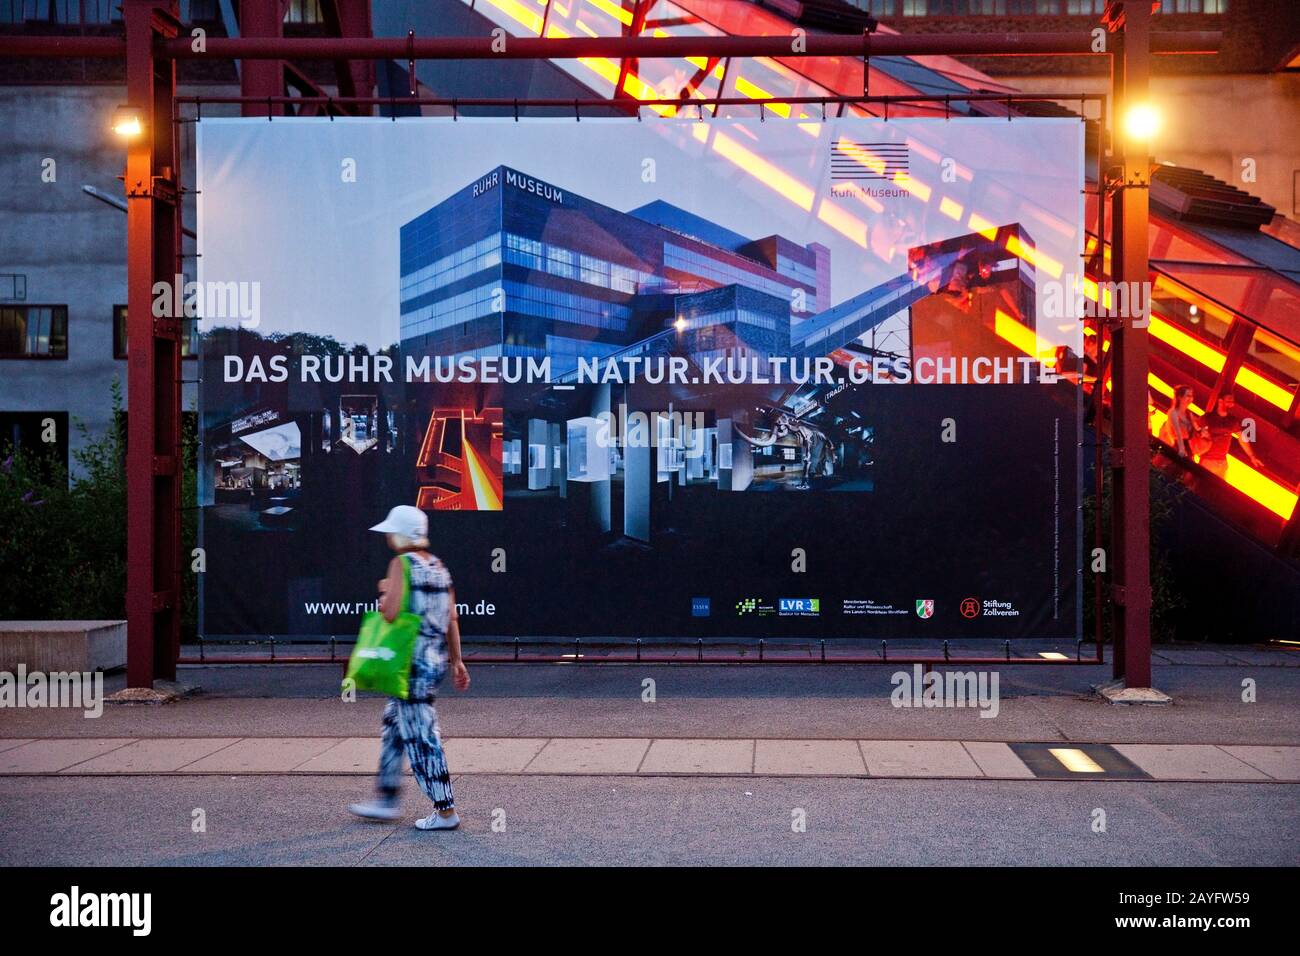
x=814, y=701
x=623, y=756
x=574, y=764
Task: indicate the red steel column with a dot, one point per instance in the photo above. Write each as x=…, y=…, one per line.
x=153, y=354
x=1131, y=435
x=261, y=19
x=351, y=18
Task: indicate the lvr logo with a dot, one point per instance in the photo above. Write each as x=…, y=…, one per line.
x=800, y=605
x=700, y=607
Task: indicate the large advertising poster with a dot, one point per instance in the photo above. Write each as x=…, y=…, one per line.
x=674, y=378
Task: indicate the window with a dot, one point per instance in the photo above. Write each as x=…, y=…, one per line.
x=1020, y=8
x=594, y=271
x=189, y=335
x=303, y=11
x=561, y=262
x=1194, y=6
x=60, y=11
x=201, y=10
x=34, y=331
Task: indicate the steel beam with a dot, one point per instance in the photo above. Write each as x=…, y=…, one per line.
x=1130, y=347
x=550, y=48
x=153, y=455
x=351, y=18
x=150, y=47
x=262, y=20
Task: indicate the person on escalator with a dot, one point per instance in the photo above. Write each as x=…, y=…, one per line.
x=1181, y=430
x=1224, y=425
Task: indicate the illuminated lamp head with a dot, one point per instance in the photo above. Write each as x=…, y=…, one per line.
x=1141, y=122
x=128, y=122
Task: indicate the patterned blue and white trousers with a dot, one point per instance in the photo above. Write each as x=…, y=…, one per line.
x=411, y=728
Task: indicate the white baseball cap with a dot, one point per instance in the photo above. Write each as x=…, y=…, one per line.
x=406, y=520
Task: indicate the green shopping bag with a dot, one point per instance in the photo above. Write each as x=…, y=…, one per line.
x=381, y=659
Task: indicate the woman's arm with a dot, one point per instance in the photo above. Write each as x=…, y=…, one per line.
x=459, y=673
x=390, y=591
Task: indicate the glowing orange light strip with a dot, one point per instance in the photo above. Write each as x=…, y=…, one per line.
x=1021, y=336
x=520, y=14
x=920, y=189
x=485, y=495
x=1039, y=260
x=1189, y=345
x=1092, y=291
x=1253, y=484
x=1214, y=359
x=843, y=222
x=1270, y=392
x=618, y=13
x=773, y=177
x=1259, y=487
x=755, y=92
x=981, y=225
x=863, y=157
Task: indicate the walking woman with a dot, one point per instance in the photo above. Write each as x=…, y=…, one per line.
x=411, y=725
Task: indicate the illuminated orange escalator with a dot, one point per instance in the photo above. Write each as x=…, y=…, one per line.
x=459, y=464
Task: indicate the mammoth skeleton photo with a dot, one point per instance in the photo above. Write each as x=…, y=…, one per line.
x=818, y=452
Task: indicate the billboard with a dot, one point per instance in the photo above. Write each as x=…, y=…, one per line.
x=679, y=378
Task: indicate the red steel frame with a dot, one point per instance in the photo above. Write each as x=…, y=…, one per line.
x=153, y=450
x=270, y=106
x=151, y=47
x=1130, y=357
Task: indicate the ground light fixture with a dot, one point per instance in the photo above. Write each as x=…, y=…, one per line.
x=128, y=122
x=1141, y=122
x=1075, y=760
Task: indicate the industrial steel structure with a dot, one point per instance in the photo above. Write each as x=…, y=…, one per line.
x=153, y=44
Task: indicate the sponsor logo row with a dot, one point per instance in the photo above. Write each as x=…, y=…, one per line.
x=969, y=608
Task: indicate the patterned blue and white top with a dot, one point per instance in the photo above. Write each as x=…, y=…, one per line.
x=431, y=599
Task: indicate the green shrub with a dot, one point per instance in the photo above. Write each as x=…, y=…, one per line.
x=63, y=546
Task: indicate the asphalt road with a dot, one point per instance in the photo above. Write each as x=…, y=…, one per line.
x=618, y=820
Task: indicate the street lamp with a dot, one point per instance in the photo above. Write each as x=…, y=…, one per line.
x=128, y=122
x=1141, y=122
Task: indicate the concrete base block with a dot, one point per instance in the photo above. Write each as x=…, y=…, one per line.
x=140, y=695
x=62, y=646
x=1117, y=693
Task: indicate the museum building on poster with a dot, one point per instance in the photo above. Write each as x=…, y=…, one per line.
x=579, y=279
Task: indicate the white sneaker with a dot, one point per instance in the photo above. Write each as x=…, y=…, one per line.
x=436, y=821
x=376, y=810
